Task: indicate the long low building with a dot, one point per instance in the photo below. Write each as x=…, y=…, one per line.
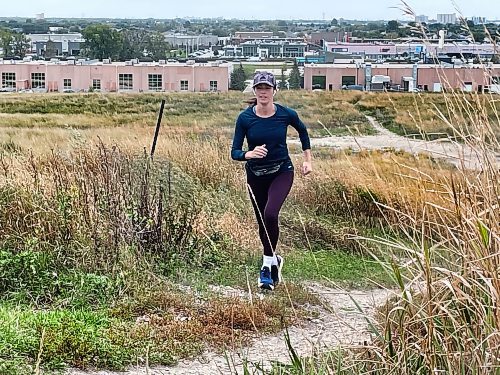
x=380, y=51
x=402, y=76
x=130, y=76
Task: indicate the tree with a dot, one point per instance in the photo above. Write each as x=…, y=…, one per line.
x=334, y=22
x=13, y=44
x=101, y=42
x=238, y=78
x=220, y=32
x=478, y=36
x=6, y=39
x=282, y=85
x=392, y=25
x=134, y=42
x=157, y=47
x=50, y=49
x=294, y=79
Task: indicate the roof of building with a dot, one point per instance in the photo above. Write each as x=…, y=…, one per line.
x=113, y=63
x=404, y=66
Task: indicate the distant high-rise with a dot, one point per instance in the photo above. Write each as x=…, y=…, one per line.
x=421, y=19
x=40, y=16
x=478, y=20
x=447, y=18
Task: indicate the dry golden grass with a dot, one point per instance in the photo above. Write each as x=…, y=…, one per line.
x=446, y=215
x=423, y=113
x=395, y=179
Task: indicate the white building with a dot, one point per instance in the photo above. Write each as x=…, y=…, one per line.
x=66, y=44
x=192, y=42
x=421, y=19
x=447, y=18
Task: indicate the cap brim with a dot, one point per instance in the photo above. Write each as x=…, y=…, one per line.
x=263, y=83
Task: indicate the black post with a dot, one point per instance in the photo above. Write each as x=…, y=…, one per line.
x=157, y=130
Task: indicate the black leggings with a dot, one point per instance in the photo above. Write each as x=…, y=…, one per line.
x=267, y=194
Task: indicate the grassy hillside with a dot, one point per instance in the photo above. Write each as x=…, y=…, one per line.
x=107, y=259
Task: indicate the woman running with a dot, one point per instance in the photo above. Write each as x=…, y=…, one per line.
x=269, y=168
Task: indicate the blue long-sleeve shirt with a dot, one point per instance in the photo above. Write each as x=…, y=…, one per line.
x=270, y=131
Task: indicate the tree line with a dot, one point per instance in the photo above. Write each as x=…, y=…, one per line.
x=103, y=42
x=13, y=44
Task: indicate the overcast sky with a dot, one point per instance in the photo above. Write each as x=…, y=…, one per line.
x=249, y=9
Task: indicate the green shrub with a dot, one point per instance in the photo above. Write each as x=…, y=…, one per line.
x=30, y=274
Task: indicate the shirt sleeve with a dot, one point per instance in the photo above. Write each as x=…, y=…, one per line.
x=239, y=136
x=297, y=123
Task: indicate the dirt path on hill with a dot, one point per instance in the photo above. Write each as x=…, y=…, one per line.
x=338, y=322
x=452, y=152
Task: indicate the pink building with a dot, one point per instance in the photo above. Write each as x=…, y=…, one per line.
x=109, y=77
x=426, y=77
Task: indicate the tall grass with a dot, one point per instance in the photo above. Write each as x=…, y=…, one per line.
x=88, y=243
x=445, y=259
x=448, y=316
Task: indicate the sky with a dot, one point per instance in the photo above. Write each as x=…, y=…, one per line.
x=250, y=9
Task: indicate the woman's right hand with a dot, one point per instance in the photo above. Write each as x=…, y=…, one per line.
x=258, y=152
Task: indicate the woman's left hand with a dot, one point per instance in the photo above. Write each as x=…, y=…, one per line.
x=306, y=168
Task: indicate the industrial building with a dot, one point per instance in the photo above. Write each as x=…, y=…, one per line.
x=413, y=50
x=402, y=77
x=129, y=76
x=57, y=44
x=266, y=49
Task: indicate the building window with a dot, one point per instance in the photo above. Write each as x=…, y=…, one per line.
x=125, y=81
x=213, y=85
x=184, y=85
x=37, y=80
x=319, y=82
x=67, y=84
x=348, y=80
x=96, y=84
x=155, y=82
x=8, y=80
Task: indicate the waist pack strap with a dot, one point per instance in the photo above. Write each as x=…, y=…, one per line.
x=265, y=169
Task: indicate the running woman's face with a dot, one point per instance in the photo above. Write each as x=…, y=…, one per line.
x=264, y=93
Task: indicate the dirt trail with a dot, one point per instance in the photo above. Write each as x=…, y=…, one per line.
x=452, y=152
x=338, y=322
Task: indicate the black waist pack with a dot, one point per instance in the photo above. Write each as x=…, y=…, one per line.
x=265, y=169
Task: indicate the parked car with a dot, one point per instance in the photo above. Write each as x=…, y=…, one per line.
x=353, y=87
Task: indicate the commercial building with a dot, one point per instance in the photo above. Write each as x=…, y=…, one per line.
x=61, y=44
x=130, y=76
x=320, y=37
x=266, y=49
x=245, y=36
x=413, y=50
x=191, y=42
x=401, y=77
